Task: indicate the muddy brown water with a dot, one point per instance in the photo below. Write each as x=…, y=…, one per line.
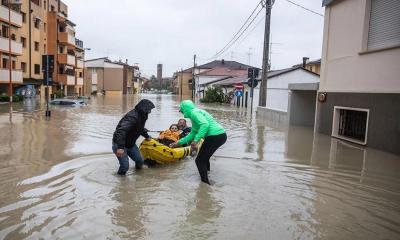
x=58, y=181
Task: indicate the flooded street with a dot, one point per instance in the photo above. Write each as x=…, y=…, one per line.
x=58, y=181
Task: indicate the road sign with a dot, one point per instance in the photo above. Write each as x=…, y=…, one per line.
x=238, y=86
x=239, y=93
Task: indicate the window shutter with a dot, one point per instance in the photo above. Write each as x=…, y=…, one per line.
x=384, y=25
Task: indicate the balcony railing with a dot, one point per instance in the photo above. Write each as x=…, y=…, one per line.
x=79, y=64
x=16, y=47
x=78, y=43
x=16, y=75
x=70, y=60
x=16, y=17
x=65, y=37
x=79, y=81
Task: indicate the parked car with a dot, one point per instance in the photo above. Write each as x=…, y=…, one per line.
x=67, y=102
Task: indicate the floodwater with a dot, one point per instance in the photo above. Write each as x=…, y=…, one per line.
x=58, y=181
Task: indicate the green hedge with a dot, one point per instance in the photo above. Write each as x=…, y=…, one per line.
x=213, y=95
x=16, y=98
x=59, y=94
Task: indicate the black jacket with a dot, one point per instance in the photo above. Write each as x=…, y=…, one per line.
x=185, y=132
x=131, y=126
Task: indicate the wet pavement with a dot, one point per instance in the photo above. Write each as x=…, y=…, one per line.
x=58, y=181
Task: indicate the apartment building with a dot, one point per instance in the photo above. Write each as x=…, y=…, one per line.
x=40, y=27
x=110, y=77
x=67, y=50
x=12, y=34
x=359, y=92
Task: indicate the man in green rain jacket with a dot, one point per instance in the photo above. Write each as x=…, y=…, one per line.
x=203, y=126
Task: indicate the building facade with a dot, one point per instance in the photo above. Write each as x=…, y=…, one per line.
x=359, y=93
x=40, y=27
x=110, y=77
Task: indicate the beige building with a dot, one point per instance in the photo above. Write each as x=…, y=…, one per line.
x=182, y=84
x=111, y=78
x=67, y=50
x=40, y=27
x=14, y=35
x=359, y=93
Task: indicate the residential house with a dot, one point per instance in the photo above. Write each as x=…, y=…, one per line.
x=204, y=74
x=291, y=95
x=359, y=93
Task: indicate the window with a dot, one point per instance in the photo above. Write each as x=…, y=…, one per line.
x=23, y=17
x=37, y=22
x=4, y=31
x=61, y=50
x=23, y=41
x=36, y=46
x=44, y=48
x=350, y=124
x=44, y=27
x=384, y=30
x=52, y=8
x=80, y=74
x=5, y=63
x=37, y=68
x=44, y=4
x=13, y=64
x=13, y=37
x=23, y=66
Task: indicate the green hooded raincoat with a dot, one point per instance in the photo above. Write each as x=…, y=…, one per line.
x=203, y=124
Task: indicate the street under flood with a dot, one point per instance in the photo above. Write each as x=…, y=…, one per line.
x=58, y=180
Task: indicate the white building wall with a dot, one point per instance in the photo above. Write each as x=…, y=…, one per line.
x=278, y=88
x=345, y=65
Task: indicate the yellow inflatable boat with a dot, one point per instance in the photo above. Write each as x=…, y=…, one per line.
x=155, y=152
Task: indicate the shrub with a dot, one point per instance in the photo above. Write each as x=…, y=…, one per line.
x=213, y=95
x=59, y=94
x=16, y=98
x=4, y=98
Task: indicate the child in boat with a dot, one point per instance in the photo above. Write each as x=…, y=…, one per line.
x=169, y=136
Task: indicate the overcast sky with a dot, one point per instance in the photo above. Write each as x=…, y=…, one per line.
x=172, y=31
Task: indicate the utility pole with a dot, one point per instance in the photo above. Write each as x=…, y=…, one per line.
x=263, y=88
x=193, y=80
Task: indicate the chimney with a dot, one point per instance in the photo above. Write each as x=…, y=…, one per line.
x=223, y=61
x=305, y=61
x=126, y=61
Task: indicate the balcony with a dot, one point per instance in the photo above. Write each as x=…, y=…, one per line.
x=79, y=63
x=66, y=59
x=16, y=47
x=16, y=76
x=66, y=79
x=16, y=18
x=79, y=81
x=66, y=38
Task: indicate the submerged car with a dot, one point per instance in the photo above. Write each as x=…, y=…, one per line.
x=68, y=102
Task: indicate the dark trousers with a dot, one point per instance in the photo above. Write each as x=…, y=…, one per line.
x=210, y=145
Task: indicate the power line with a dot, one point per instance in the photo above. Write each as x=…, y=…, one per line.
x=307, y=9
x=238, y=32
x=238, y=37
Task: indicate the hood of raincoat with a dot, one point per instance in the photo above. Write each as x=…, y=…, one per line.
x=144, y=107
x=186, y=108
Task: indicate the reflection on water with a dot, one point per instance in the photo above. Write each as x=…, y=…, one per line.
x=57, y=180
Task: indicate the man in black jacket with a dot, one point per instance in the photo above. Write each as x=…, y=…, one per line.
x=128, y=130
